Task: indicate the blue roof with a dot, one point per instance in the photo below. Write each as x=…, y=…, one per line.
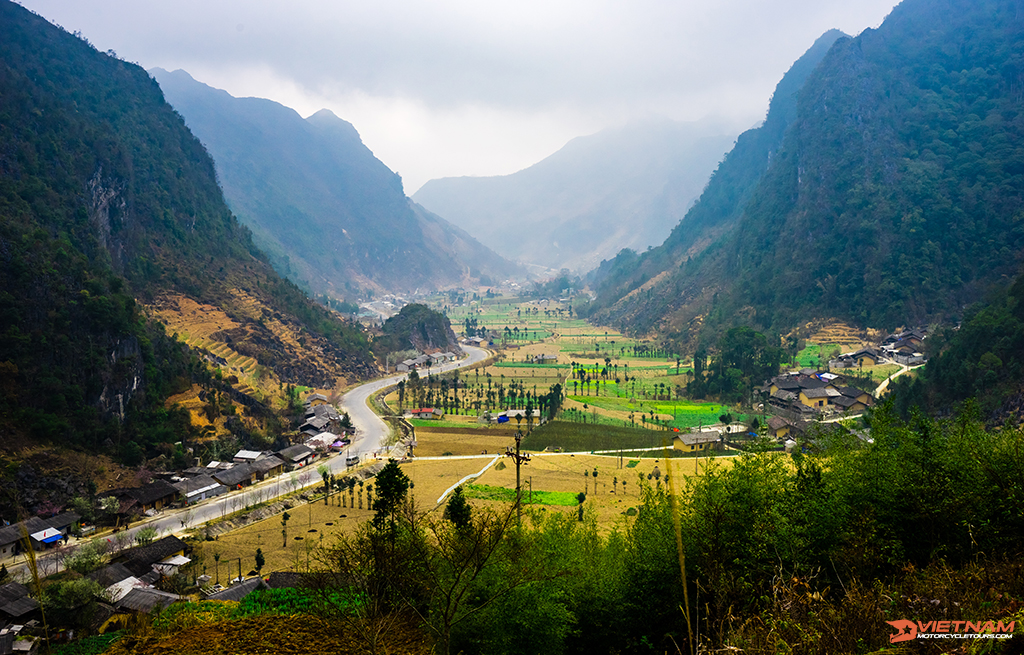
x=50, y=540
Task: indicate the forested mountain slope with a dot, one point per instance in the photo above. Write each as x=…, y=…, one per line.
x=108, y=204
x=719, y=206
x=330, y=214
x=619, y=188
x=895, y=197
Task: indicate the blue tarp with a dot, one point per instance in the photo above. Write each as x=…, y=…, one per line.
x=502, y=419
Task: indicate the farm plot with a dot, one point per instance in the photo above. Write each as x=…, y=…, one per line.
x=610, y=494
x=314, y=523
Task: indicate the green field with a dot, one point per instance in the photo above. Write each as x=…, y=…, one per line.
x=429, y=423
x=810, y=356
x=528, y=365
x=505, y=495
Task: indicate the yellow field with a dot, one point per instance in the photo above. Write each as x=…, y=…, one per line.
x=430, y=479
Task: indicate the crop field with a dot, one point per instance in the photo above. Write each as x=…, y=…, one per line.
x=569, y=436
x=617, y=484
x=438, y=442
x=314, y=523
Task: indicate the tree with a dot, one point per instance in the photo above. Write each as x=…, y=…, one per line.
x=260, y=560
x=580, y=497
x=284, y=528
x=216, y=562
x=458, y=510
x=325, y=475
x=392, y=489
x=145, y=536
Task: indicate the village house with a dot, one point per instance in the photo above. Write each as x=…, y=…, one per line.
x=236, y=477
x=117, y=580
x=237, y=592
x=545, y=359
x=429, y=413
x=162, y=556
x=15, y=603
x=154, y=496
x=268, y=467
x=12, y=536
x=143, y=600
x=697, y=442
x=316, y=399
x=246, y=456
x=199, y=488
x=818, y=397
x=295, y=457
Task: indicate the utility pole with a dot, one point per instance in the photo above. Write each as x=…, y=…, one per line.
x=519, y=459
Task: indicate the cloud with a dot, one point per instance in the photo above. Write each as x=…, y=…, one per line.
x=460, y=87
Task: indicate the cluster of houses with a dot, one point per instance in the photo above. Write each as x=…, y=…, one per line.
x=41, y=533
x=904, y=347
x=199, y=483
x=425, y=361
x=806, y=395
x=129, y=587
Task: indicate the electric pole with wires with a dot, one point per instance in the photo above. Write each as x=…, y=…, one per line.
x=519, y=459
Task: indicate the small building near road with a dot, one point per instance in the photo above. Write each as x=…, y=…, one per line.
x=236, y=477
x=295, y=457
x=199, y=488
x=429, y=413
x=268, y=467
x=697, y=442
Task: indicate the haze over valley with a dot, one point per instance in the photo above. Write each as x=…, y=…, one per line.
x=701, y=331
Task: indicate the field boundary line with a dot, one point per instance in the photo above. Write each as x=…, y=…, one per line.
x=468, y=478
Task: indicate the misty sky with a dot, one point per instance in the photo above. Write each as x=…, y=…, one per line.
x=459, y=87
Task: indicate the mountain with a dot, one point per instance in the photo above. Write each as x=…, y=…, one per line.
x=981, y=360
x=330, y=214
x=893, y=199
x=110, y=215
x=618, y=188
x=418, y=327
x=716, y=211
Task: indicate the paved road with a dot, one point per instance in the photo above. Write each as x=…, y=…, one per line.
x=881, y=388
x=371, y=431
x=370, y=435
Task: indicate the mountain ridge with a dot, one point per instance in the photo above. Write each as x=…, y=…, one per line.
x=331, y=215
x=108, y=205
x=598, y=193
x=893, y=198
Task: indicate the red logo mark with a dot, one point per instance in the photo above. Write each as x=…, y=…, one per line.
x=905, y=631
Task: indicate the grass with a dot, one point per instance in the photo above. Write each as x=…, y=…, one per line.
x=429, y=423
x=685, y=413
x=506, y=495
x=94, y=645
x=528, y=365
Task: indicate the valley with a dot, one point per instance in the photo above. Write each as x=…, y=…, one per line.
x=674, y=387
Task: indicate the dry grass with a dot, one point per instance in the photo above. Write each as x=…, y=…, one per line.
x=610, y=501
x=475, y=441
x=430, y=479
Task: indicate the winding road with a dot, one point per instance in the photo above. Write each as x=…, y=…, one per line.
x=371, y=431
x=370, y=437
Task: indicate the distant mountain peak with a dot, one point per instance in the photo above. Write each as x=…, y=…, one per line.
x=331, y=215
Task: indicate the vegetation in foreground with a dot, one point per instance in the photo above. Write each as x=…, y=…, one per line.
x=812, y=555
